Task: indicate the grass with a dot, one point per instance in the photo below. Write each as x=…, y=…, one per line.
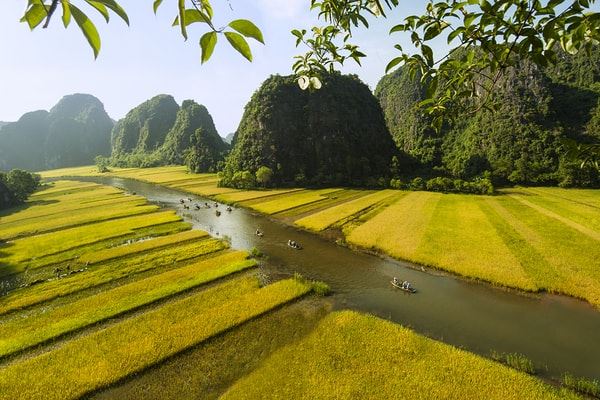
x=139, y=247
x=326, y=218
x=18, y=252
x=252, y=195
x=20, y=333
x=104, y=357
x=109, y=272
x=354, y=356
x=585, y=386
x=516, y=361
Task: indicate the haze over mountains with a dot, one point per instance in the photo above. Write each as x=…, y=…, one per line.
x=341, y=134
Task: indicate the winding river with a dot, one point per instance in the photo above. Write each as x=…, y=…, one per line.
x=558, y=333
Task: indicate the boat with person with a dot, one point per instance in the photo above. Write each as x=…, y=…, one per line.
x=404, y=286
x=294, y=245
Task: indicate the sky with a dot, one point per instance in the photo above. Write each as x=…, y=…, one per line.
x=150, y=57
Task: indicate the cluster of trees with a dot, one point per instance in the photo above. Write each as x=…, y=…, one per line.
x=74, y=131
x=16, y=186
x=519, y=136
x=159, y=132
x=333, y=136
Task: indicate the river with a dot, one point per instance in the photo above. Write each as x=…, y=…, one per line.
x=558, y=333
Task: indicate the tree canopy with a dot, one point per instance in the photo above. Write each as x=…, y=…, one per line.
x=16, y=186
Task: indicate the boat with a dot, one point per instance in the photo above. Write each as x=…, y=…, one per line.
x=399, y=286
x=295, y=246
x=218, y=213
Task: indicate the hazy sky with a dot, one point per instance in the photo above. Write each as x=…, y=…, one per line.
x=150, y=57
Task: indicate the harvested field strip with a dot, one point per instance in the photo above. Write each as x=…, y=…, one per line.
x=293, y=200
x=331, y=201
x=398, y=361
x=324, y=219
x=461, y=239
x=104, y=357
x=20, y=333
x=216, y=364
x=575, y=272
x=108, y=272
x=572, y=224
x=193, y=182
x=88, y=170
x=72, y=218
x=139, y=247
x=252, y=195
x=38, y=246
x=398, y=229
x=68, y=256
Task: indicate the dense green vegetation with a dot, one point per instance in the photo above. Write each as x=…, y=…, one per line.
x=16, y=186
x=159, y=132
x=332, y=136
x=520, y=141
x=145, y=127
x=75, y=131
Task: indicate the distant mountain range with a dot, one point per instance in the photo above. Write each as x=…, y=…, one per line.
x=72, y=133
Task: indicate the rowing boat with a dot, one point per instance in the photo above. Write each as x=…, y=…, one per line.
x=399, y=286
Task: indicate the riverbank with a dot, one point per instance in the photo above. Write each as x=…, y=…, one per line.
x=113, y=309
x=531, y=239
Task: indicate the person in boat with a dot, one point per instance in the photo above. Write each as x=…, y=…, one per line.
x=229, y=209
x=395, y=281
x=404, y=285
x=258, y=232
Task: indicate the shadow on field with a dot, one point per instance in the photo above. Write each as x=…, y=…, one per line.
x=13, y=210
x=10, y=279
x=207, y=370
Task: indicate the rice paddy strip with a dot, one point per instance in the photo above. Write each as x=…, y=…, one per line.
x=68, y=256
x=355, y=356
x=252, y=195
x=398, y=230
x=62, y=187
x=209, y=190
x=35, y=211
x=324, y=219
x=293, y=200
x=72, y=218
x=338, y=197
x=104, y=357
x=589, y=197
x=581, y=213
x=215, y=365
x=109, y=272
x=142, y=246
x=25, y=249
x=576, y=272
x=17, y=334
x=460, y=238
x=583, y=229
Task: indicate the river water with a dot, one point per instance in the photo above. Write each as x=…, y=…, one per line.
x=558, y=333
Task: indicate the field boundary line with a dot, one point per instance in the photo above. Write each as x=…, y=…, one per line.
x=572, y=224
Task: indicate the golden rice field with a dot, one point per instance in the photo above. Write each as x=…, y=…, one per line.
x=534, y=239
x=161, y=311
x=355, y=356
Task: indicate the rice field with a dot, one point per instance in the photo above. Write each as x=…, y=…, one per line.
x=162, y=311
x=354, y=356
x=534, y=239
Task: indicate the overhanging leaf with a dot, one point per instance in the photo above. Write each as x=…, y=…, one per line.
x=247, y=28
x=238, y=42
x=34, y=15
x=88, y=28
x=207, y=44
x=101, y=8
x=66, y=17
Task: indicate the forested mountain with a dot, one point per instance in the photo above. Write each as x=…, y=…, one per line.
x=159, y=132
x=2, y=123
x=194, y=138
x=229, y=138
x=145, y=127
x=332, y=136
x=521, y=141
x=74, y=131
